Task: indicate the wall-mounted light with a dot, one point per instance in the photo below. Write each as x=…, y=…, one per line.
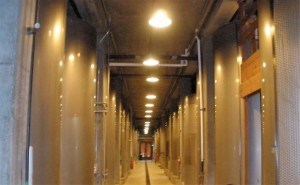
x=160, y=19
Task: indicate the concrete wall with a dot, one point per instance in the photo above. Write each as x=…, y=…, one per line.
x=227, y=107
x=15, y=62
x=45, y=128
x=77, y=104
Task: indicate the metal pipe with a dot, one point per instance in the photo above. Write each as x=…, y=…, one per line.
x=182, y=64
x=30, y=166
x=200, y=98
x=35, y=17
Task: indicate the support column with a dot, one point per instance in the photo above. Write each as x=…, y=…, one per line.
x=162, y=154
x=101, y=109
x=123, y=144
x=209, y=113
x=117, y=173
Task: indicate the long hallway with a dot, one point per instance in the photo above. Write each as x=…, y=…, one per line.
x=147, y=173
x=208, y=89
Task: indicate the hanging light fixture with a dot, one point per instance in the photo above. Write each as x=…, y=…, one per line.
x=150, y=96
x=160, y=19
x=151, y=62
x=152, y=79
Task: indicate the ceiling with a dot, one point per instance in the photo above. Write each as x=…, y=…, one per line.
x=131, y=35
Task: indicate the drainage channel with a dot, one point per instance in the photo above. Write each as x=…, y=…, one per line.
x=147, y=174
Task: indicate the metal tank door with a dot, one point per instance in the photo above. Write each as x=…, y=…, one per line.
x=254, y=139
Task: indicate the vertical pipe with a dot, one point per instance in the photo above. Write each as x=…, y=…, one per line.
x=30, y=166
x=200, y=100
x=36, y=6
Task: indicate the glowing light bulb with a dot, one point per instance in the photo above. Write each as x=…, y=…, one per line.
x=152, y=79
x=160, y=19
x=149, y=105
x=150, y=96
x=71, y=57
x=151, y=62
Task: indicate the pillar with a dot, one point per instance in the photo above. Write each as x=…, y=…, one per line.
x=101, y=109
x=78, y=104
x=209, y=113
x=46, y=93
x=227, y=107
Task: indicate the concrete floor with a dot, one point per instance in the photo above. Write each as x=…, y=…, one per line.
x=156, y=175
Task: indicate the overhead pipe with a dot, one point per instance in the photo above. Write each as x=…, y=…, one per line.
x=201, y=108
x=117, y=64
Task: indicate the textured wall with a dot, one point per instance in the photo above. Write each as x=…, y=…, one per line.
x=287, y=40
x=78, y=91
x=9, y=12
x=227, y=107
x=46, y=91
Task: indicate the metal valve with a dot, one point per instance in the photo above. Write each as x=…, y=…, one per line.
x=34, y=29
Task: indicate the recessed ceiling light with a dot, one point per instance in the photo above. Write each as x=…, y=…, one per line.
x=160, y=19
x=148, y=111
x=148, y=116
x=151, y=96
x=152, y=79
x=147, y=122
x=149, y=105
x=151, y=62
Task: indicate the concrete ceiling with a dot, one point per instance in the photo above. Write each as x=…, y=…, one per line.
x=132, y=35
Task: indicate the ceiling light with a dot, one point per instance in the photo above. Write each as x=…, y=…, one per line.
x=148, y=111
x=149, y=105
x=71, y=57
x=147, y=122
x=148, y=116
x=151, y=96
x=151, y=62
x=160, y=19
x=152, y=79
x=147, y=125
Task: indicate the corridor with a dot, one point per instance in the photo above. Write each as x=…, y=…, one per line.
x=92, y=92
x=147, y=173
